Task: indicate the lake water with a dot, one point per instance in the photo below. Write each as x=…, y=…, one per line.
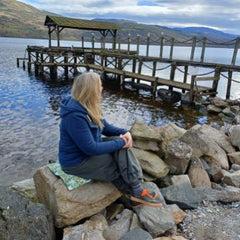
x=29, y=108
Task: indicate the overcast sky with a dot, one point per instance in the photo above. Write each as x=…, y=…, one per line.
x=222, y=15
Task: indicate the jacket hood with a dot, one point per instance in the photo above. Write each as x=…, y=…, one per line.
x=69, y=105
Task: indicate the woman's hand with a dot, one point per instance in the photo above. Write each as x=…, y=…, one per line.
x=128, y=139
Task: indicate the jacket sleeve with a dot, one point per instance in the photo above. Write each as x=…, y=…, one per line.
x=80, y=132
x=110, y=130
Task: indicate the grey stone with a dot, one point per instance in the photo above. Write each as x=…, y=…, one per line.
x=179, y=179
x=213, y=109
x=146, y=145
x=207, y=145
x=26, y=188
x=234, y=133
x=235, y=167
x=178, y=155
x=155, y=220
x=177, y=213
x=69, y=207
x=91, y=229
x=21, y=219
x=137, y=234
x=234, y=157
x=119, y=227
x=151, y=163
x=183, y=195
x=227, y=111
x=232, y=179
x=197, y=174
x=219, y=102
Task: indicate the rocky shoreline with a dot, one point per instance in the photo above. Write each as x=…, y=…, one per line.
x=196, y=173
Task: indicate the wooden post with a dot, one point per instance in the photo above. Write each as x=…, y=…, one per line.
x=172, y=74
x=193, y=48
x=154, y=71
x=82, y=41
x=119, y=43
x=234, y=57
x=215, y=83
x=161, y=47
x=139, y=69
x=133, y=67
x=103, y=42
x=75, y=71
x=229, y=84
x=40, y=66
x=93, y=40
x=185, y=76
x=129, y=42
x=171, y=49
x=203, y=49
x=191, y=93
x=58, y=37
x=53, y=67
x=114, y=39
x=18, y=62
x=147, y=47
x=49, y=37
x=36, y=63
x=29, y=59
x=24, y=66
x=138, y=43
x=66, y=67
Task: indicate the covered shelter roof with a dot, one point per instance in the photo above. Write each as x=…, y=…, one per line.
x=79, y=23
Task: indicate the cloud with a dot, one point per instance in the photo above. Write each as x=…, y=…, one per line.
x=218, y=14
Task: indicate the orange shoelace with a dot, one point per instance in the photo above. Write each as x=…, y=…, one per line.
x=146, y=193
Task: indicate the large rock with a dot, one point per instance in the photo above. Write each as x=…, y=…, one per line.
x=168, y=132
x=213, y=109
x=234, y=133
x=219, y=102
x=204, y=143
x=232, y=179
x=26, y=188
x=225, y=194
x=142, y=131
x=91, y=229
x=146, y=145
x=151, y=163
x=22, y=219
x=68, y=207
x=177, y=213
x=171, y=238
x=120, y=226
x=178, y=155
x=183, y=195
x=197, y=174
x=137, y=234
x=234, y=158
x=155, y=220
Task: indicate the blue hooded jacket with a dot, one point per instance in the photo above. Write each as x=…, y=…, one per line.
x=80, y=137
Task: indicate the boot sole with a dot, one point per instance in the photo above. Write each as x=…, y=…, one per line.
x=145, y=202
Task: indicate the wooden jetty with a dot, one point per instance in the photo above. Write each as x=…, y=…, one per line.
x=126, y=64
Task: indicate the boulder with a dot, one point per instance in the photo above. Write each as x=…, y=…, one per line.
x=22, y=219
x=91, y=229
x=183, y=195
x=178, y=155
x=168, y=132
x=151, y=163
x=215, y=172
x=155, y=220
x=137, y=234
x=26, y=188
x=68, y=207
x=179, y=179
x=204, y=144
x=227, y=111
x=234, y=158
x=171, y=238
x=141, y=131
x=177, y=213
x=119, y=227
x=235, y=167
x=146, y=145
x=219, y=102
x=213, y=109
x=232, y=179
x=234, y=133
x=197, y=174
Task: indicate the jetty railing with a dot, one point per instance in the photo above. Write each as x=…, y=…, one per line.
x=126, y=63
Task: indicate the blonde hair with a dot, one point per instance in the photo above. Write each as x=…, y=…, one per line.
x=86, y=90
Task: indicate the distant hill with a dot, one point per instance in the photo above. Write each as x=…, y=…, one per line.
x=21, y=20
x=201, y=32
